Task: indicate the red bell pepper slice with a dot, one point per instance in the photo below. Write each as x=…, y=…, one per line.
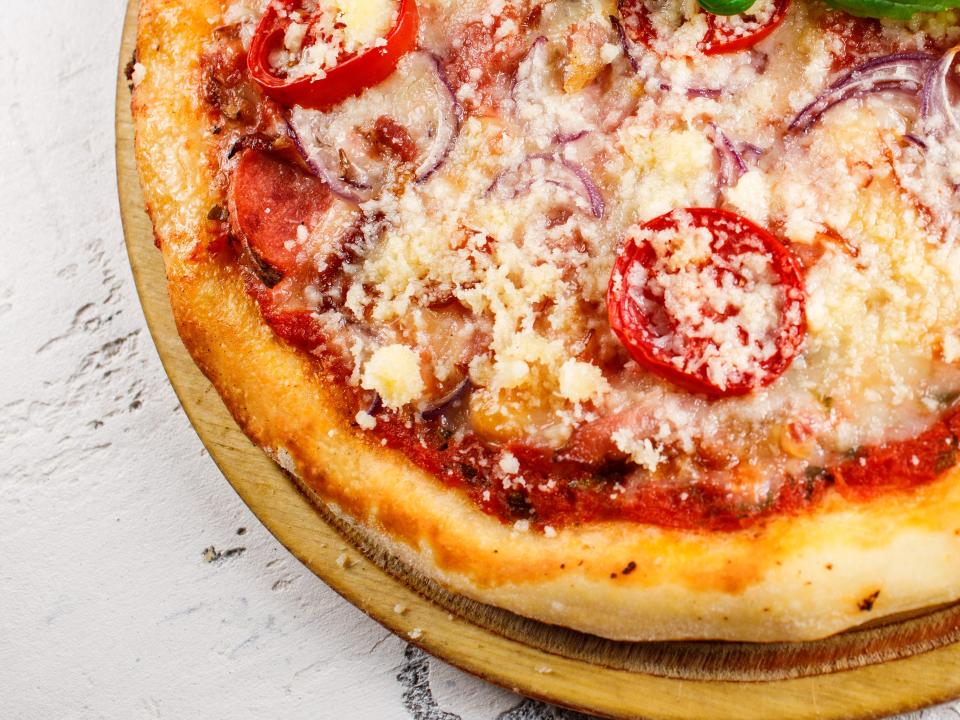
x=351, y=76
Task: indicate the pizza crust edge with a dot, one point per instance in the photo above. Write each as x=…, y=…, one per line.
x=790, y=579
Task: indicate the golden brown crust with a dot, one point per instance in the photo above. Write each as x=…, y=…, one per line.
x=794, y=578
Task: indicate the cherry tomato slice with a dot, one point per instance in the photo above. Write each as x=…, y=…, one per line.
x=350, y=77
x=721, y=36
x=708, y=300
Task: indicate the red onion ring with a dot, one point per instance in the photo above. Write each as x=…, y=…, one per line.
x=446, y=138
x=435, y=409
x=731, y=163
x=900, y=73
x=568, y=175
x=310, y=128
x=935, y=106
x=564, y=139
x=712, y=93
x=625, y=43
x=910, y=137
x=340, y=186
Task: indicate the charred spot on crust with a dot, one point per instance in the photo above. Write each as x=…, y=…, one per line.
x=631, y=566
x=129, y=69
x=866, y=605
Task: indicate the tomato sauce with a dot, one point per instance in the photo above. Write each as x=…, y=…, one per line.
x=563, y=493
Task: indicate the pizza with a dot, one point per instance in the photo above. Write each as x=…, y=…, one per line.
x=636, y=318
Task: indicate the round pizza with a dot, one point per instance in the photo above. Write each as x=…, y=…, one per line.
x=641, y=319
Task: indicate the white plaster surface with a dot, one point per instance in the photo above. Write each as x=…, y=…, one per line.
x=111, y=604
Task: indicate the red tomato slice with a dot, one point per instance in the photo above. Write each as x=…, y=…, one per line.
x=708, y=300
x=721, y=37
x=351, y=76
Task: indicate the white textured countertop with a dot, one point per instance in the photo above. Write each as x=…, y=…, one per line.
x=133, y=581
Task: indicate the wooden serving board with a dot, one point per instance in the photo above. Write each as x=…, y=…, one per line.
x=869, y=672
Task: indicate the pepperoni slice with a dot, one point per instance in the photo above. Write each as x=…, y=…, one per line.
x=269, y=201
x=708, y=300
x=724, y=34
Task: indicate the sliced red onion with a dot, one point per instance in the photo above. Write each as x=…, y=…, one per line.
x=417, y=97
x=936, y=109
x=436, y=409
x=899, y=73
x=910, y=137
x=597, y=205
x=318, y=157
x=449, y=118
x=712, y=93
x=552, y=170
x=553, y=116
x=531, y=72
x=625, y=43
x=564, y=139
x=731, y=163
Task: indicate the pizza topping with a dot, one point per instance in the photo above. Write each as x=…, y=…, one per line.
x=668, y=28
x=296, y=235
x=452, y=399
x=897, y=9
x=732, y=166
x=485, y=48
x=393, y=372
x=899, y=73
x=581, y=381
x=937, y=102
x=726, y=7
x=316, y=54
x=272, y=204
x=546, y=173
x=709, y=301
x=412, y=118
x=554, y=108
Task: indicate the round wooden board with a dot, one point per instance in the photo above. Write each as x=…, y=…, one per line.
x=869, y=672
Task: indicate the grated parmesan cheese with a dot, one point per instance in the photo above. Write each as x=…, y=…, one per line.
x=581, y=381
x=393, y=372
x=641, y=450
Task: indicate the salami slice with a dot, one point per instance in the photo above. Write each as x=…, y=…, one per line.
x=273, y=205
